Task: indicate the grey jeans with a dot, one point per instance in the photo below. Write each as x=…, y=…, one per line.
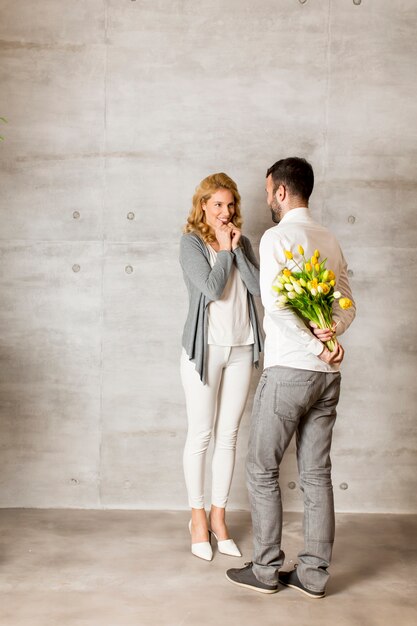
x=289, y=401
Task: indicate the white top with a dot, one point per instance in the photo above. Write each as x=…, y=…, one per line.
x=228, y=317
x=288, y=340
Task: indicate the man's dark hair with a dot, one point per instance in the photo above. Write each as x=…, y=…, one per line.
x=296, y=174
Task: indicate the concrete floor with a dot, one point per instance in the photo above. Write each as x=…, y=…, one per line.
x=123, y=568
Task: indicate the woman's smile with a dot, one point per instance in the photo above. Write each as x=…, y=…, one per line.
x=219, y=208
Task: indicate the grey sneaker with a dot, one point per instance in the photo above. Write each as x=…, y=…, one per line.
x=290, y=579
x=244, y=577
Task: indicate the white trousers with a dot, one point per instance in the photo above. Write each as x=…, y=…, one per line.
x=215, y=408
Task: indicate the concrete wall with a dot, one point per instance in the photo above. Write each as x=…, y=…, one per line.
x=121, y=107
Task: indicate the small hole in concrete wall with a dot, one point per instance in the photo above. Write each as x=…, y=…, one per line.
x=343, y=486
x=76, y=215
x=302, y=1
x=130, y=216
x=76, y=268
x=351, y=219
x=291, y=485
x=357, y=2
x=128, y=269
x=74, y=481
x=350, y=273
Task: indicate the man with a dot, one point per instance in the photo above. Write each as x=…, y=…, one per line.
x=297, y=394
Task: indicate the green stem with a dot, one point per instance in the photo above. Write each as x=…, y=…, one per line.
x=299, y=266
x=324, y=324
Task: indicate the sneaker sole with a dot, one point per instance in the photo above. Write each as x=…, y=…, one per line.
x=306, y=593
x=251, y=586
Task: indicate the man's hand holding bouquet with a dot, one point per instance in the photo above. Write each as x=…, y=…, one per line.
x=308, y=288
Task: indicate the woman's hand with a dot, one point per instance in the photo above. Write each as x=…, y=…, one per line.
x=236, y=235
x=223, y=234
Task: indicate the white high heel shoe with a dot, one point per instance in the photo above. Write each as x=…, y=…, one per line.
x=227, y=546
x=202, y=549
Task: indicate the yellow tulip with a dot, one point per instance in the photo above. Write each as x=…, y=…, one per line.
x=288, y=254
x=315, y=283
x=301, y=250
x=307, y=267
x=317, y=253
x=286, y=272
x=317, y=267
x=325, y=287
x=332, y=282
x=345, y=303
x=302, y=282
x=332, y=275
x=313, y=260
x=325, y=275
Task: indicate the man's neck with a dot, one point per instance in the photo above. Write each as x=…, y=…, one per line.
x=295, y=203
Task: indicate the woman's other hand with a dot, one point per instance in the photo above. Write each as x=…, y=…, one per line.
x=236, y=235
x=223, y=234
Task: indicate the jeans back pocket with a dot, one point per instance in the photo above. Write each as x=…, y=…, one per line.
x=293, y=399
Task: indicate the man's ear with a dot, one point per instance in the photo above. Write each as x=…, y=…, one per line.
x=281, y=192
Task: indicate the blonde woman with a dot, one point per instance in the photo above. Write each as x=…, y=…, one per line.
x=221, y=342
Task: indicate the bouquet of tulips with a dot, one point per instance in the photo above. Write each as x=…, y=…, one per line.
x=309, y=290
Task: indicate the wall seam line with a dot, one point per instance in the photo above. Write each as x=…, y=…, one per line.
x=326, y=109
x=103, y=249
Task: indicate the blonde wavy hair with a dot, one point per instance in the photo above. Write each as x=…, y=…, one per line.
x=196, y=221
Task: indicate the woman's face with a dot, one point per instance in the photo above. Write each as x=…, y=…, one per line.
x=219, y=208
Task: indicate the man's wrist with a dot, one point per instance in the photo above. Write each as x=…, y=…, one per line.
x=316, y=346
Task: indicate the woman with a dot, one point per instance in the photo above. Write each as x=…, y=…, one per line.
x=221, y=341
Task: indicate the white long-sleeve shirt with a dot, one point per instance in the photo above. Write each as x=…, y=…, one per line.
x=288, y=340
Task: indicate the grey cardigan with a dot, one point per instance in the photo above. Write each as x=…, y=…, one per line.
x=206, y=284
